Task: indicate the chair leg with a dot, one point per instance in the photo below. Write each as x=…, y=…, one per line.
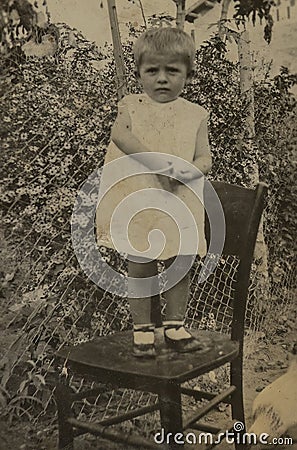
x=171, y=415
x=237, y=398
x=63, y=400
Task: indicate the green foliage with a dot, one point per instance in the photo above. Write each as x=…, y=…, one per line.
x=16, y=14
x=253, y=8
x=22, y=21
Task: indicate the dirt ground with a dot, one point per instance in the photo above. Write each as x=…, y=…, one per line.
x=264, y=363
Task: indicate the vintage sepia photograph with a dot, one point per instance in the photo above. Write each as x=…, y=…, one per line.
x=148, y=224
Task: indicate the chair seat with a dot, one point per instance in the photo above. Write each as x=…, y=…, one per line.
x=110, y=359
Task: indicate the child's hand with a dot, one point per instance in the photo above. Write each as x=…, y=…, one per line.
x=188, y=175
x=185, y=175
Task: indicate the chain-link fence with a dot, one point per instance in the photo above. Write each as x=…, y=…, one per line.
x=56, y=123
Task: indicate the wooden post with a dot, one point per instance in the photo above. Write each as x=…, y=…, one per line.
x=180, y=13
x=142, y=13
x=223, y=18
x=117, y=49
x=247, y=92
x=246, y=81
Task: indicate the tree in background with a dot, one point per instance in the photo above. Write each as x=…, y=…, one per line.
x=25, y=30
x=256, y=8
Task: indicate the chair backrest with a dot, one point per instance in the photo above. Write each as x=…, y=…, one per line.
x=242, y=209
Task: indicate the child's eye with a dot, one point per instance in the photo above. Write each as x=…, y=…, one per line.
x=151, y=70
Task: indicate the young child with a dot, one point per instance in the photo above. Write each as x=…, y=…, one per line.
x=159, y=121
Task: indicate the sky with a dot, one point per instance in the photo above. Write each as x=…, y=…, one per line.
x=93, y=21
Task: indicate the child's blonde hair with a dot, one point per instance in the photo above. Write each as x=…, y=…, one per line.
x=165, y=40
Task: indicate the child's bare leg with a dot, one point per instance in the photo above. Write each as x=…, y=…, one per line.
x=141, y=311
x=177, y=297
x=141, y=307
x=176, y=304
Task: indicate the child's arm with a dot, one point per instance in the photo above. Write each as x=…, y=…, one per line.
x=202, y=158
x=125, y=140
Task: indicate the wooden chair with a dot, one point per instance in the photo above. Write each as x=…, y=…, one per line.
x=109, y=359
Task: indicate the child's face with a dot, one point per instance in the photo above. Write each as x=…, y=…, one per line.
x=163, y=77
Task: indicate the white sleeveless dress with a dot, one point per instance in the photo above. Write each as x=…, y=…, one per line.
x=169, y=128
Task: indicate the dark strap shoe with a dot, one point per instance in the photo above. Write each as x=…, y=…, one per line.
x=185, y=345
